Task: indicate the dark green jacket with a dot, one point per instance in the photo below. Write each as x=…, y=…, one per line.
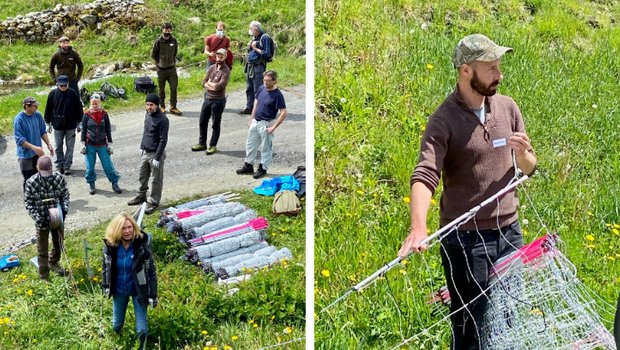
x=165, y=52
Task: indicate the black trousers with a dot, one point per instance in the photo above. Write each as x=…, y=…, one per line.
x=467, y=257
x=210, y=108
x=167, y=75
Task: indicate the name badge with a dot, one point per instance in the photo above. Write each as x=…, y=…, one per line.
x=499, y=142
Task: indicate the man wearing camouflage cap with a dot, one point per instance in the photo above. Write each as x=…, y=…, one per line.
x=470, y=141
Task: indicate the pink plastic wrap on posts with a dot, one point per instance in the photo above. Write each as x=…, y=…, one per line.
x=258, y=223
x=187, y=213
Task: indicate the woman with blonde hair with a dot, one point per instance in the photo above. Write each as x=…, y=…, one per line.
x=129, y=271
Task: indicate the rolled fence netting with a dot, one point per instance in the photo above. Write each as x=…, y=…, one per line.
x=254, y=263
x=206, y=262
x=233, y=280
x=202, y=202
x=213, y=213
x=240, y=258
x=173, y=213
x=257, y=224
x=228, y=245
x=220, y=224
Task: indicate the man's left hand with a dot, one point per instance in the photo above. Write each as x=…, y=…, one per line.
x=520, y=143
x=271, y=129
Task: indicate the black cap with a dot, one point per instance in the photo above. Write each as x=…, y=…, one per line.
x=153, y=98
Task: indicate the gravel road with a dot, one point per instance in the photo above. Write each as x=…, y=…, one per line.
x=187, y=173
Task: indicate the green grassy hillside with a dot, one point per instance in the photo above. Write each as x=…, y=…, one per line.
x=283, y=19
x=381, y=69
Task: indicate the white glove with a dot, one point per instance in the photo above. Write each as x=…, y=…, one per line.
x=155, y=163
x=49, y=128
x=83, y=150
x=78, y=128
x=110, y=150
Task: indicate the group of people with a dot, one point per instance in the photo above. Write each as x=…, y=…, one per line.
x=128, y=266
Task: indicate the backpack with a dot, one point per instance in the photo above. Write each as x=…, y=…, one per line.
x=113, y=90
x=272, y=44
x=229, y=59
x=286, y=202
x=84, y=96
x=144, y=84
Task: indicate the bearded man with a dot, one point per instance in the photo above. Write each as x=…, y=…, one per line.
x=469, y=142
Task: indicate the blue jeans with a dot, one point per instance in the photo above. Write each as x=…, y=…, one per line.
x=119, y=309
x=253, y=80
x=467, y=257
x=106, y=163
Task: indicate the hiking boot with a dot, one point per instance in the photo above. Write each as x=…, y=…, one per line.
x=137, y=200
x=247, y=169
x=197, y=148
x=150, y=208
x=246, y=111
x=60, y=170
x=91, y=188
x=176, y=111
x=260, y=172
x=68, y=171
x=115, y=188
x=211, y=150
x=58, y=269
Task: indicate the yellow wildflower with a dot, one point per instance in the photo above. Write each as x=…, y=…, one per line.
x=429, y=66
x=234, y=338
x=227, y=347
x=287, y=330
x=590, y=238
x=325, y=273
x=360, y=192
x=406, y=199
x=29, y=292
x=615, y=231
x=204, y=332
x=254, y=325
x=433, y=201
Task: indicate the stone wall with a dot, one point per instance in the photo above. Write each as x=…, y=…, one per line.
x=49, y=25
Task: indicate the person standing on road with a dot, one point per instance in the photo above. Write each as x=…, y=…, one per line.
x=470, y=142
x=269, y=101
x=29, y=129
x=129, y=272
x=65, y=61
x=215, y=101
x=164, y=53
x=96, y=140
x=43, y=191
x=214, y=42
x=153, y=154
x=63, y=112
x=260, y=51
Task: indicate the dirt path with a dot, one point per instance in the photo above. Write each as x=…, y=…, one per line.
x=187, y=173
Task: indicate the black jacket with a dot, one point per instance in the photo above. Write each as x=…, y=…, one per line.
x=65, y=63
x=155, y=136
x=164, y=52
x=63, y=109
x=96, y=134
x=143, y=269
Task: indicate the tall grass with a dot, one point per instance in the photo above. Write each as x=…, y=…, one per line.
x=383, y=67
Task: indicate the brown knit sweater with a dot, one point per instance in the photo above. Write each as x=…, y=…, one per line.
x=473, y=159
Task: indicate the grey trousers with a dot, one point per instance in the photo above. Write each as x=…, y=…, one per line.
x=64, y=158
x=156, y=174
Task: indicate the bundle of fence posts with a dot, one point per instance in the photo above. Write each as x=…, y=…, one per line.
x=226, y=238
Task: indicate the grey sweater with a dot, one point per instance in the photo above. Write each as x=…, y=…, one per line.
x=473, y=159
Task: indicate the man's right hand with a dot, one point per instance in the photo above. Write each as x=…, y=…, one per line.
x=39, y=151
x=413, y=242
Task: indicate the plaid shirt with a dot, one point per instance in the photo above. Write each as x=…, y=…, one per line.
x=39, y=188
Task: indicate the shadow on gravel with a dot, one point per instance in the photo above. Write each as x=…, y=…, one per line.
x=80, y=205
